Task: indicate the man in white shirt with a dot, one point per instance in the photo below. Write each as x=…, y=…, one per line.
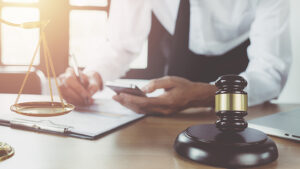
x=207, y=39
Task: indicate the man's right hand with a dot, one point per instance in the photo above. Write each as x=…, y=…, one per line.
x=76, y=93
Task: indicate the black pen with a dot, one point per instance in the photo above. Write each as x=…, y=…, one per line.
x=78, y=76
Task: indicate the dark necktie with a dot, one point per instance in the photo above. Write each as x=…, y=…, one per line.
x=177, y=63
x=196, y=67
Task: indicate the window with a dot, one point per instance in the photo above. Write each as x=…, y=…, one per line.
x=17, y=45
x=74, y=25
x=88, y=30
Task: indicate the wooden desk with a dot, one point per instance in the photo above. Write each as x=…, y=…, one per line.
x=145, y=144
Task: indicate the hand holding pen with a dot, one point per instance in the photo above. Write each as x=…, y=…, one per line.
x=78, y=87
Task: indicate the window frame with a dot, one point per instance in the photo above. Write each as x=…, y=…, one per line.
x=60, y=26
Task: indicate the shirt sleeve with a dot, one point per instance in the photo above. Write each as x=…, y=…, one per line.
x=129, y=25
x=269, y=52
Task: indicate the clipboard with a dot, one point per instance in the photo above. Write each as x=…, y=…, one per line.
x=85, y=122
x=52, y=128
x=42, y=126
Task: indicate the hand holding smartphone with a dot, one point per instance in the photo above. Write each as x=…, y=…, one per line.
x=125, y=88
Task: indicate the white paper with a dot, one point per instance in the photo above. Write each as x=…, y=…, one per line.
x=106, y=114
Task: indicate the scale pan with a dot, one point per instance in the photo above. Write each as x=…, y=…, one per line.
x=42, y=109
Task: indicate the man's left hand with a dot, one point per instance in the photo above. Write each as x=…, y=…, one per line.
x=179, y=94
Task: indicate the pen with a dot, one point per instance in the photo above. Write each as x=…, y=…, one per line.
x=76, y=70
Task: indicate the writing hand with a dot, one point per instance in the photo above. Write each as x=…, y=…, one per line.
x=77, y=93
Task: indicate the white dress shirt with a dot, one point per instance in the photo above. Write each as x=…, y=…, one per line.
x=216, y=26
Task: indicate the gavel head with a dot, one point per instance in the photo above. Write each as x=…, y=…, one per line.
x=231, y=103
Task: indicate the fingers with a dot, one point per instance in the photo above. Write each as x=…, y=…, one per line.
x=69, y=72
x=84, y=78
x=165, y=83
x=144, y=105
x=72, y=89
x=71, y=97
x=93, y=88
x=95, y=83
x=73, y=83
x=124, y=98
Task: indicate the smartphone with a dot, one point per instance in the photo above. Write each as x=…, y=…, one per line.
x=125, y=88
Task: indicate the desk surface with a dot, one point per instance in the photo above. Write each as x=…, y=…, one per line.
x=147, y=144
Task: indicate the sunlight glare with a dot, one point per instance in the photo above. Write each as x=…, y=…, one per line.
x=18, y=44
x=88, y=2
x=21, y=1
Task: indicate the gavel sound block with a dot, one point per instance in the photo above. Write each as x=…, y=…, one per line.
x=229, y=143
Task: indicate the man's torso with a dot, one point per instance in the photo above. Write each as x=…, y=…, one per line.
x=216, y=26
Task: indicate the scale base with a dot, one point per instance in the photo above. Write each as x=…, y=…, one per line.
x=208, y=145
x=6, y=151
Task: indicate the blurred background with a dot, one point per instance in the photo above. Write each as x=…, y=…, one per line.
x=291, y=92
x=75, y=26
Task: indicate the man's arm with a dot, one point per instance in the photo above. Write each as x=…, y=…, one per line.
x=270, y=51
x=129, y=26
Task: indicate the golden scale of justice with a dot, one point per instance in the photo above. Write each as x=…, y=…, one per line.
x=43, y=108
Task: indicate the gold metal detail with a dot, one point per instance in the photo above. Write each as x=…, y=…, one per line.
x=6, y=151
x=40, y=108
x=231, y=102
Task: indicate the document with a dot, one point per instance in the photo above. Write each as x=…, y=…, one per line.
x=86, y=122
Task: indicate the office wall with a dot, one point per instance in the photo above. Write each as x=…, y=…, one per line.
x=291, y=92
